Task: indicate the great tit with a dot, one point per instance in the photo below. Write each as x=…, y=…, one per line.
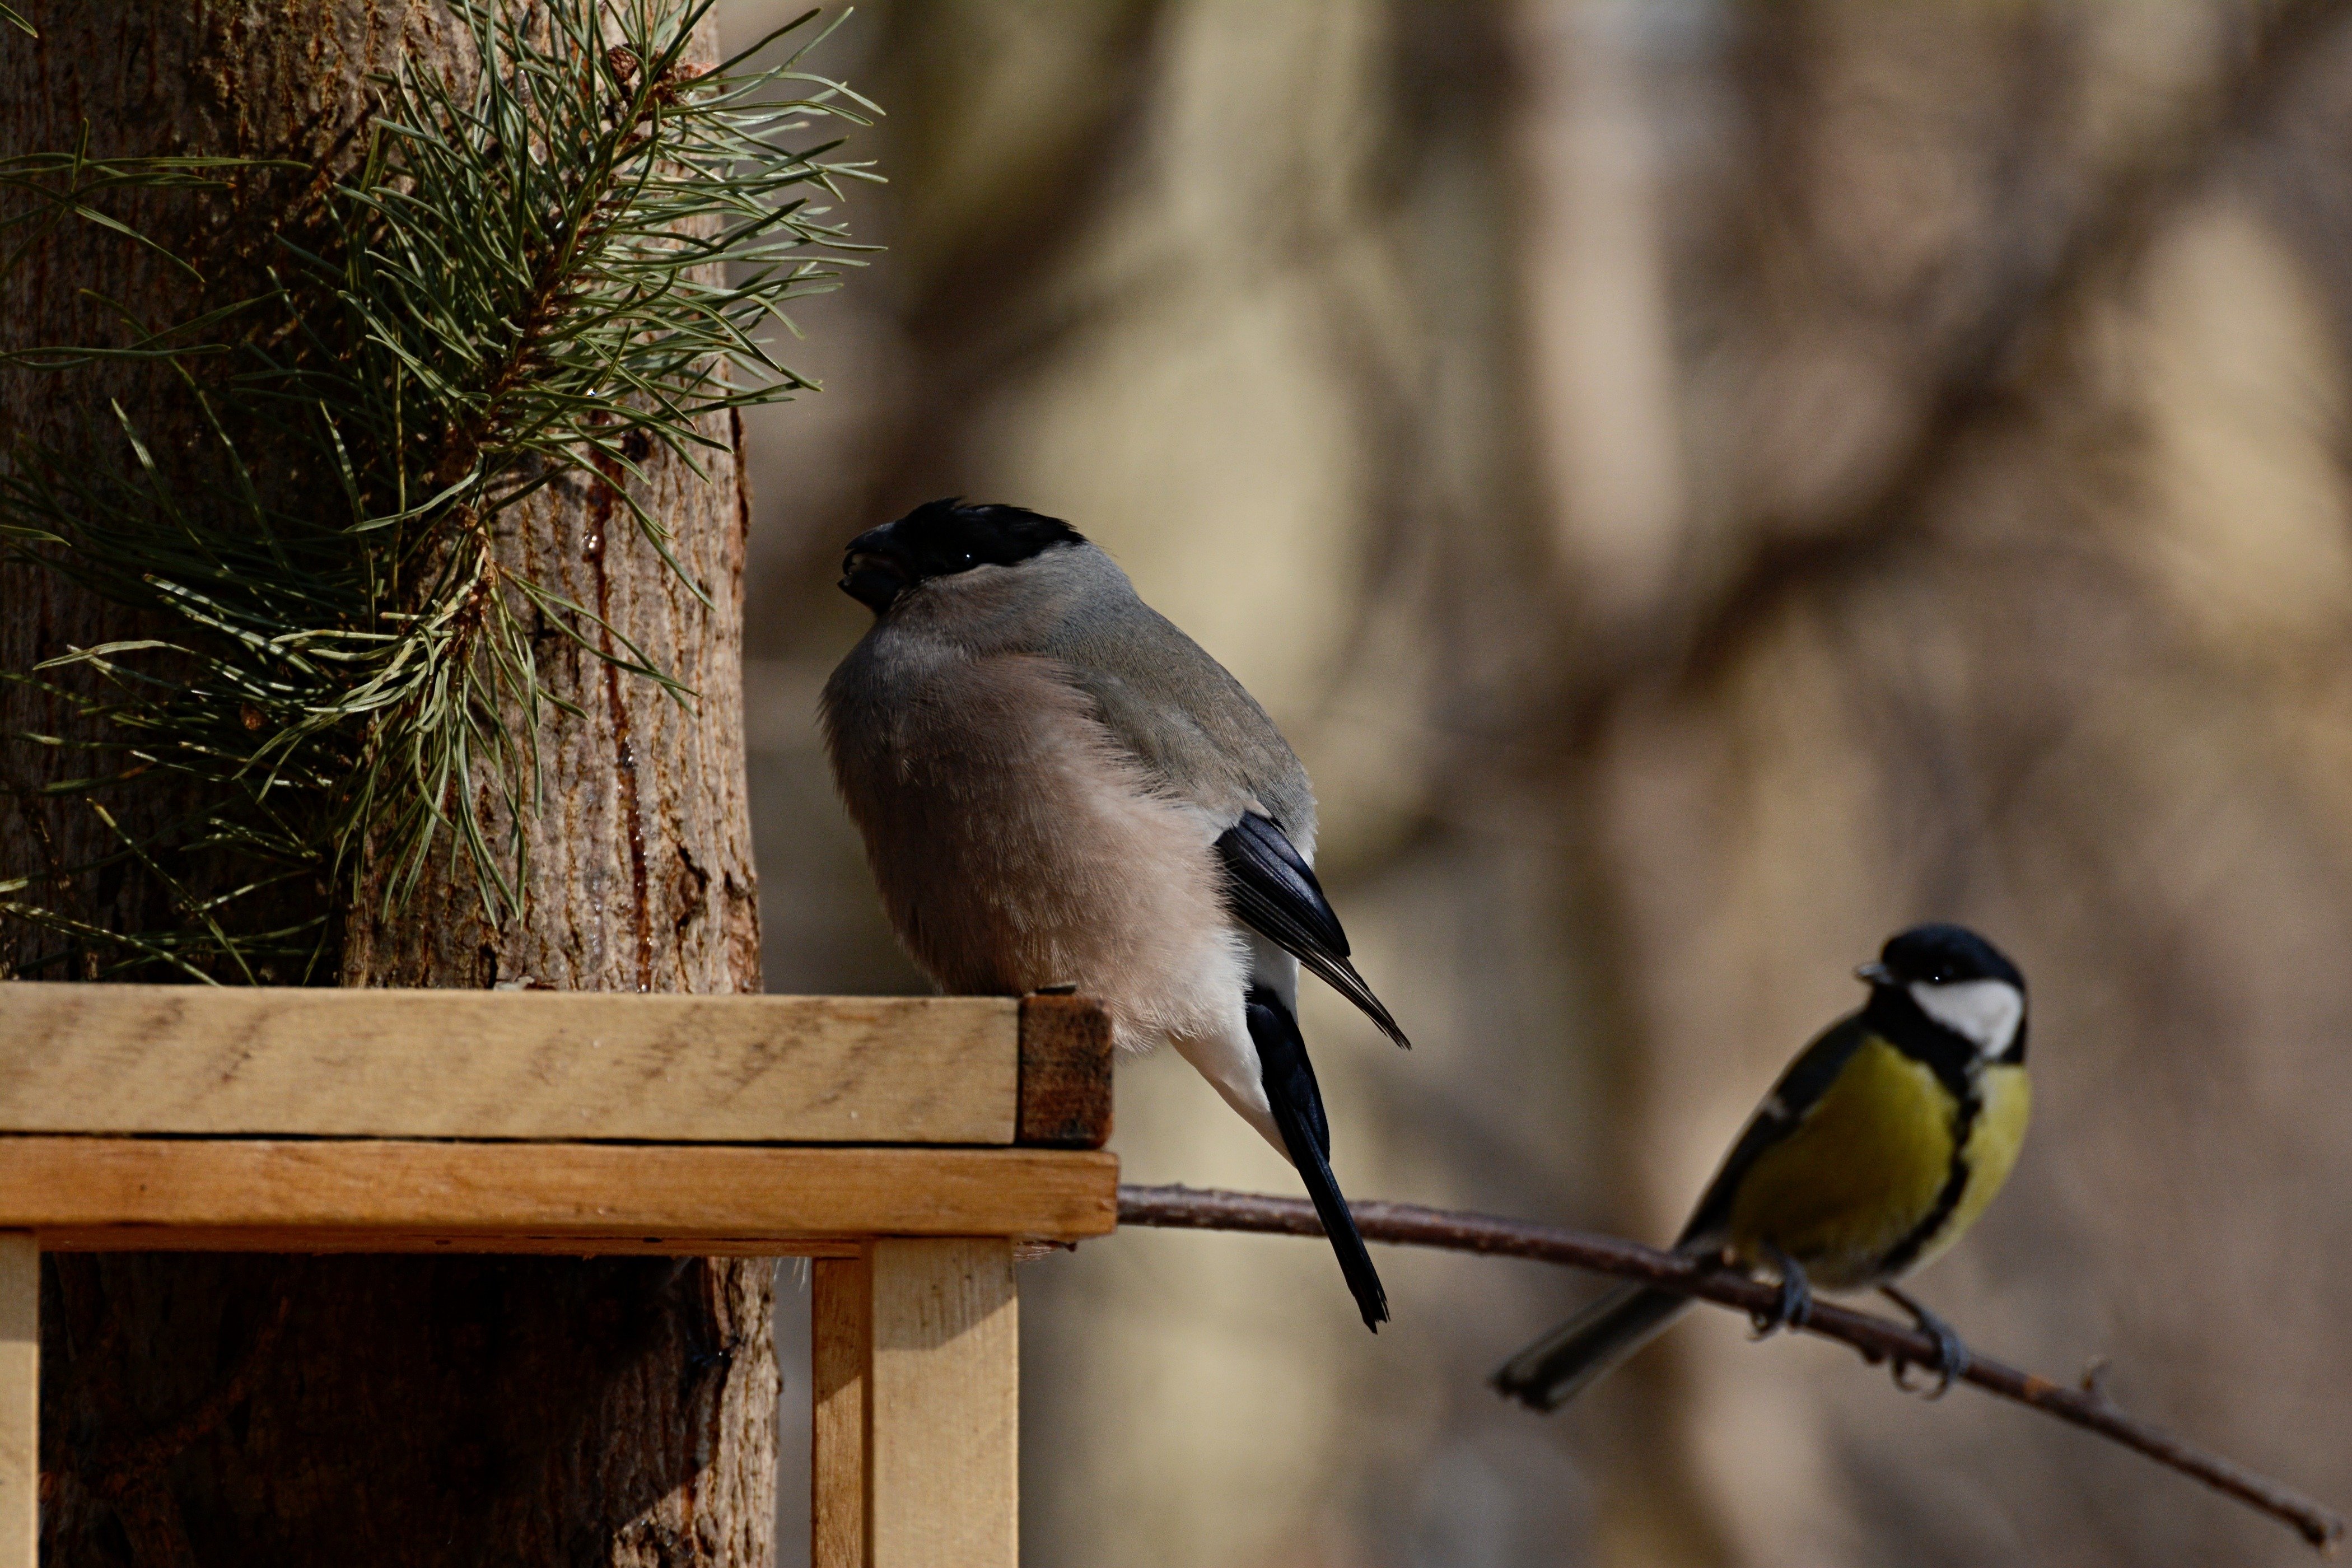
x=1882, y=1143
x=1057, y=787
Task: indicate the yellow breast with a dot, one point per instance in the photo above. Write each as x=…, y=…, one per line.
x=1869, y=1165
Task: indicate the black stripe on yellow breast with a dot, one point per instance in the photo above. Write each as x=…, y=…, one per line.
x=1994, y=1141
x=1964, y=1114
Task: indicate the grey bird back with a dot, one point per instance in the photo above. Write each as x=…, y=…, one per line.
x=1185, y=718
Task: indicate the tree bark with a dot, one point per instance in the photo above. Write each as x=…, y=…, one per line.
x=396, y=1411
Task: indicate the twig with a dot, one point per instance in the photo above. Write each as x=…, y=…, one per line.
x=1877, y=1339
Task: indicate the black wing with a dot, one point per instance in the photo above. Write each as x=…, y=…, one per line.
x=1800, y=1090
x=1273, y=890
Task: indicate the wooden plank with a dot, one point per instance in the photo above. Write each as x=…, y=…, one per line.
x=944, y=1431
x=320, y=1241
x=841, y=1359
x=20, y=1401
x=157, y=1193
x=574, y=1066
x=1065, y=1076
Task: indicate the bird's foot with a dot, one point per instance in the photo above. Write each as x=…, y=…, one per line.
x=1952, y=1357
x=1795, y=1303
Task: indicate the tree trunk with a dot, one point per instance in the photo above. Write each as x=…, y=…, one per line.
x=396, y=1411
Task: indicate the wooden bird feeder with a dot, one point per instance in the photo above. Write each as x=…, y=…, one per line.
x=905, y=1144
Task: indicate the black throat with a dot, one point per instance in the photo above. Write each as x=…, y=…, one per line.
x=1894, y=1017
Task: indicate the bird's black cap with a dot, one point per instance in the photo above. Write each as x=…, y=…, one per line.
x=1939, y=954
x=941, y=538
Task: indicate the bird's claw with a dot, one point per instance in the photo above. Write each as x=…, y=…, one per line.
x=1952, y=1358
x=1794, y=1304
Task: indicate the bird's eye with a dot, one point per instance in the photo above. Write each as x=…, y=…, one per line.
x=966, y=558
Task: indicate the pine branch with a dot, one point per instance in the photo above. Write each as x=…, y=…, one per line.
x=551, y=268
x=1877, y=1340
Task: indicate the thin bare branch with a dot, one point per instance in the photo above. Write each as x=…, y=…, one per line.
x=1878, y=1340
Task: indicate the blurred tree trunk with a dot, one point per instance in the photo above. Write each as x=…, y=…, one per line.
x=388, y=1410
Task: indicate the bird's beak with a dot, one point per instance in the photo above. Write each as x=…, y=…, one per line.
x=874, y=581
x=1875, y=973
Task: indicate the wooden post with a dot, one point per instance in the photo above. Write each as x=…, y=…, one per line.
x=840, y=1358
x=943, y=1403
x=20, y=1400
x=923, y=1471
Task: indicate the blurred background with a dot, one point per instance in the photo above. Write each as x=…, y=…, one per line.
x=1702, y=485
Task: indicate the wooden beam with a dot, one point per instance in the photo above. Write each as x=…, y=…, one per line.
x=1066, y=1062
x=20, y=1401
x=152, y=1194
x=571, y=1065
x=840, y=1367
x=943, y=1481
x=326, y=1240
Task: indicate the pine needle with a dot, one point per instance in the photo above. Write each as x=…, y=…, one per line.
x=549, y=270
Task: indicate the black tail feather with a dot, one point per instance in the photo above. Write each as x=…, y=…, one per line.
x=1298, y=1107
x=1562, y=1364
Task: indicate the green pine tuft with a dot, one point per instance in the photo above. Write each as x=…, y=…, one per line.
x=542, y=273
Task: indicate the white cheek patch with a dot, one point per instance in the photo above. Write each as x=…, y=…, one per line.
x=1985, y=1013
